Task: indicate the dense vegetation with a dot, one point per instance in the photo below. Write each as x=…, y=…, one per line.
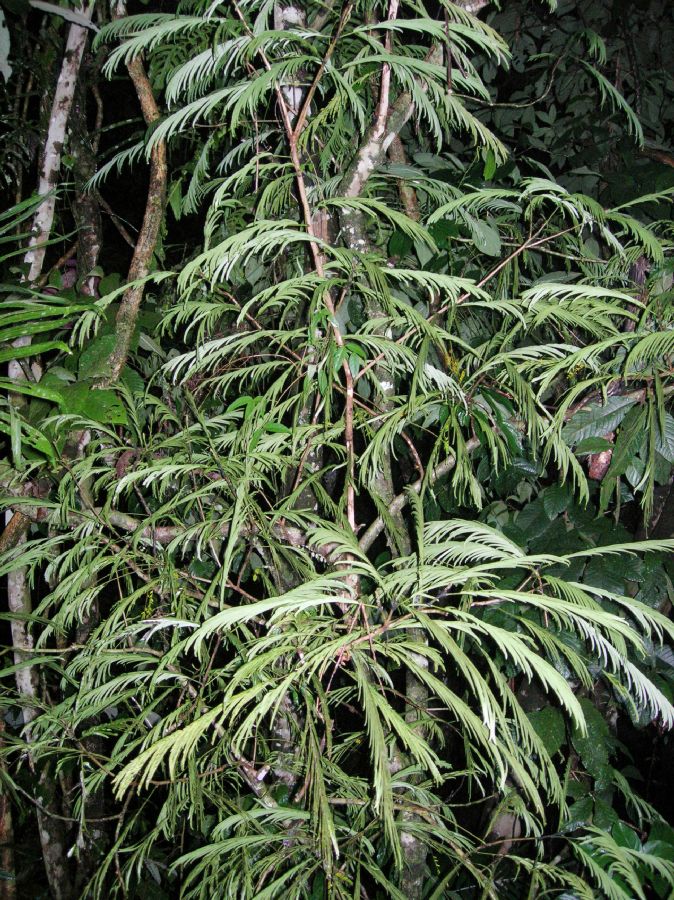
x=338, y=449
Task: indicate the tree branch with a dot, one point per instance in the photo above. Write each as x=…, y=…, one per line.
x=382, y=133
x=401, y=500
x=129, y=308
x=161, y=535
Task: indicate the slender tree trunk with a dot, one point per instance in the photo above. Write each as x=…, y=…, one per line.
x=127, y=315
x=382, y=136
x=51, y=830
x=7, y=870
x=86, y=208
x=53, y=146
x=91, y=836
x=146, y=244
x=295, y=96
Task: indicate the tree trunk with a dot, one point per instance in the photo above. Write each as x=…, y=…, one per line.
x=127, y=315
x=382, y=134
x=53, y=146
x=18, y=589
x=7, y=870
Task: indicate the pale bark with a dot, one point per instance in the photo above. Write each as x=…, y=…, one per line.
x=288, y=17
x=472, y=6
x=53, y=147
x=18, y=588
x=389, y=121
x=379, y=137
x=148, y=236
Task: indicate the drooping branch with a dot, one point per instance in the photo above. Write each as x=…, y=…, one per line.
x=156, y=535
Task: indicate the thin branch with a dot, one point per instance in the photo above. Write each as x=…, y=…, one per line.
x=524, y=105
x=527, y=245
x=304, y=111
x=401, y=500
x=60, y=262
x=116, y=221
x=98, y=123
x=320, y=271
x=385, y=80
x=58, y=816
